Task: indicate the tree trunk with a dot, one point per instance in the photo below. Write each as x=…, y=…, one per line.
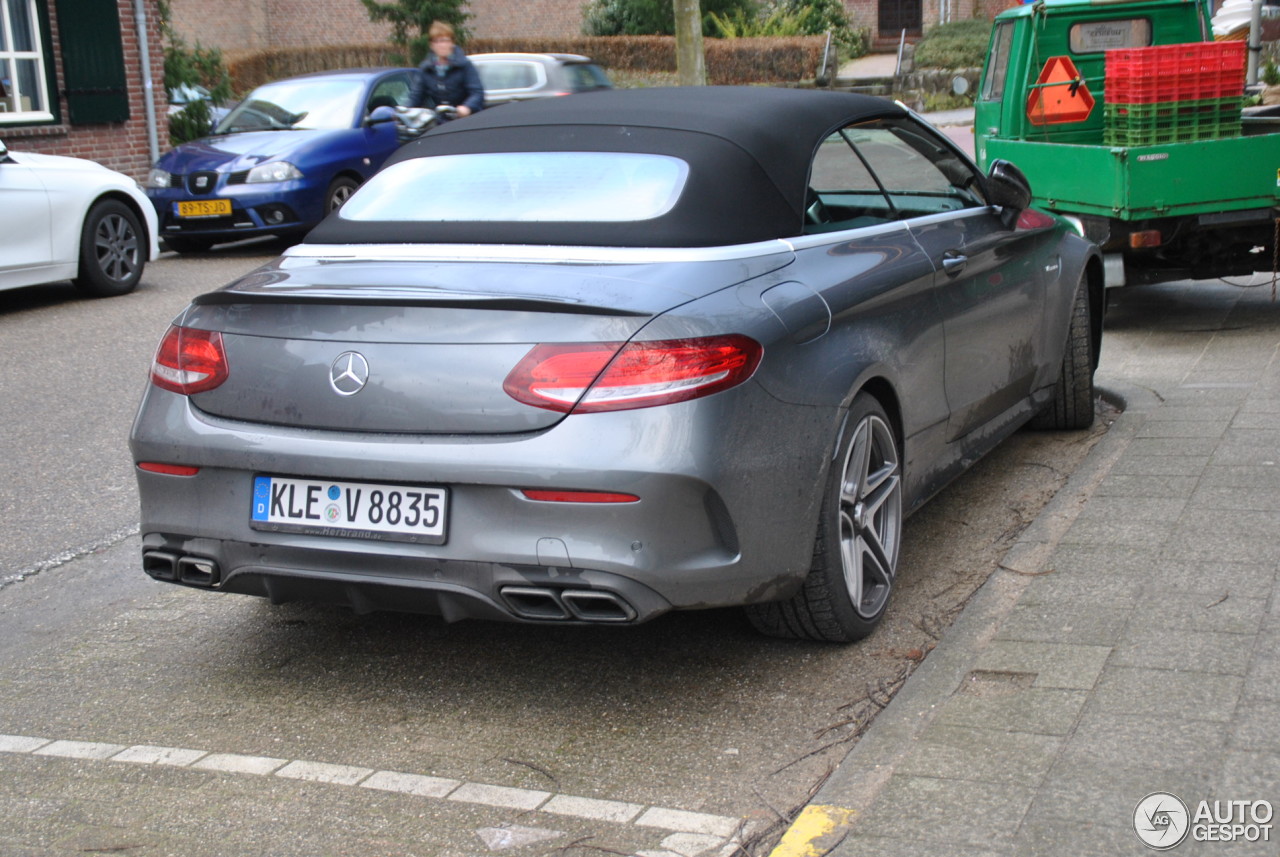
x=691, y=66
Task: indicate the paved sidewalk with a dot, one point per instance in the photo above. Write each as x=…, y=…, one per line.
x=1130, y=643
x=869, y=66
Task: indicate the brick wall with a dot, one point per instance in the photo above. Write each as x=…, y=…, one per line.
x=121, y=146
x=543, y=18
x=244, y=26
x=862, y=13
x=229, y=25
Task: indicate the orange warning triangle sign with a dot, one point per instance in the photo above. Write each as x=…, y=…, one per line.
x=1060, y=95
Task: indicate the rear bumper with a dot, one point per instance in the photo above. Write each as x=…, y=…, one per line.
x=725, y=518
x=451, y=589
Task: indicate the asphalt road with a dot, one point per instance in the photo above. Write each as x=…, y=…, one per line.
x=78, y=370
x=152, y=720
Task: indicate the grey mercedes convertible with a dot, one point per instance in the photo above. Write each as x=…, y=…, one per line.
x=598, y=358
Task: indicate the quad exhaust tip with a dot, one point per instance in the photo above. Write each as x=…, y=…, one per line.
x=563, y=605
x=181, y=568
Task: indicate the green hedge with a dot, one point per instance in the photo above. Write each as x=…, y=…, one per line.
x=729, y=61
x=959, y=44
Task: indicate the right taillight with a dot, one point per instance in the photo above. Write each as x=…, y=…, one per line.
x=189, y=361
x=596, y=376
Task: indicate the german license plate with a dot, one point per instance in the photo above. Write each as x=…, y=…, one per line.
x=205, y=208
x=370, y=510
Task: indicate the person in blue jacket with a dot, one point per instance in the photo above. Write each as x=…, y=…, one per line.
x=446, y=76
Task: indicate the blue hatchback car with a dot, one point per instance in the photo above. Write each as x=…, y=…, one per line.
x=287, y=155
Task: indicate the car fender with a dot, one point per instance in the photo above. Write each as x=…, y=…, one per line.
x=1074, y=259
x=71, y=209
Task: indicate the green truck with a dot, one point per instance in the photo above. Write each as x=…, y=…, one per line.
x=1177, y=187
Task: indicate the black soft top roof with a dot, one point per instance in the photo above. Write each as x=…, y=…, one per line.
x=748, y=148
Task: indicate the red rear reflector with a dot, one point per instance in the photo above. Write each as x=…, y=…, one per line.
x=168, y=469
x=1032, y=219
x=597, y=376
x=1147, y=238
x=578, y=496
x=189, y=361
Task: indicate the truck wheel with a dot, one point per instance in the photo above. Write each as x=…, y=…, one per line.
x=1071, y=406
x=113, y=250
x=855, y=554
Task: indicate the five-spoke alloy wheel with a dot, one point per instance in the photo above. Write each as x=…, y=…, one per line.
x=855, y=557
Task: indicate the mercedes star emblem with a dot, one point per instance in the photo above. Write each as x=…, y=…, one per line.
x=349, y=373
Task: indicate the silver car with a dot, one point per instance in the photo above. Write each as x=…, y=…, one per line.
x=522, y=77
x=599, y=358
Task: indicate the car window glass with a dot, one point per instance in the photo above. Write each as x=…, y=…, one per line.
x=875, y=172
x=998, y=63
x=1089, y=37
x=919, y=172
x=390, y=92
x=507, y=75
x=296, y=104
x=522, y=187
x=842, y=193
x=585, y=76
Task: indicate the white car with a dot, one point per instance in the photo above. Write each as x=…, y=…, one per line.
x=72, y=219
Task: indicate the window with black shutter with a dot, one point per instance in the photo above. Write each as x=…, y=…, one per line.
x=93, y=61
x=26, y=74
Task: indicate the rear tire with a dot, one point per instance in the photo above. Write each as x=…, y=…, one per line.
x=855, y=555
x=113, y=250
x=1071, y=407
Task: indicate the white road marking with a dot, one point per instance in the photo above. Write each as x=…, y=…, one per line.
x=80, y=750
x=688, y=822
x=499, y=796
x=599, y=810
x=319, y=772
x=502, y=838
x=234, y=763
x=19, y=744
x=708, y=830
x=413, y=784
x=144, y=755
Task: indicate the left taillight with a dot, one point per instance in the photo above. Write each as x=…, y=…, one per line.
x=189, y=361
x=593, y=377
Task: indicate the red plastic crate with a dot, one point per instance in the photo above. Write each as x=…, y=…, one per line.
x=1189, y=72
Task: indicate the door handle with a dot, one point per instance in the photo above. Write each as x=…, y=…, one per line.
x=953, y=263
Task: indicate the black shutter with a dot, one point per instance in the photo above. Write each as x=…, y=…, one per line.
x=93, y=61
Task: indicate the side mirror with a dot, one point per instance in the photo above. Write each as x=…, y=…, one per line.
x=379, y=115
x=4, y=152
x=1009, y=189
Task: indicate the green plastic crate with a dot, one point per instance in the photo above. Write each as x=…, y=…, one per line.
x=1171, y=121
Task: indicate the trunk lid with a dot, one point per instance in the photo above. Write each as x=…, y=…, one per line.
x=422, y=347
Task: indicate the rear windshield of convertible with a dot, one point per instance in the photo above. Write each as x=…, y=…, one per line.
x=526, y=187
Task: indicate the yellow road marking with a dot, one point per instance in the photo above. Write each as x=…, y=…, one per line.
x=815, y=824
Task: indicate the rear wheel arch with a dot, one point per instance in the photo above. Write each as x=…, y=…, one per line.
x=887, y=396
x=1096, y=279
x=859, y=529
x=1071, y=399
